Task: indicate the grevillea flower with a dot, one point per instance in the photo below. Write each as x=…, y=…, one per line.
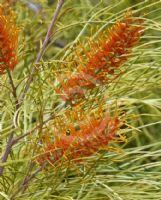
x=100, y=64
x=8, y=39
x=86, y=140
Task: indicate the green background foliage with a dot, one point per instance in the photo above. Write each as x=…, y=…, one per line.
x=130, y=173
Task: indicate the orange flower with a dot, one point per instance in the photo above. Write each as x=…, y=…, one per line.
x=85, y=141
x=8, y=39
x=100, y=65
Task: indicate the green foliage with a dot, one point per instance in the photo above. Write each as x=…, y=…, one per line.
x=132, y=171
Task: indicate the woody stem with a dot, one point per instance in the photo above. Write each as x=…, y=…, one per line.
x=10, y=139
x=42, y=50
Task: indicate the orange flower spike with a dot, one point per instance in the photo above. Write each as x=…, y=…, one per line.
x=87, y=140
x=8, y=39
x=103, y=58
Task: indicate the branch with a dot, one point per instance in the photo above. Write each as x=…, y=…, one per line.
x=26, y=180
x=29, y=132
x=18, y=102
x=7, y=151
x=10, y=139
x=41, y=52
x=14, y=93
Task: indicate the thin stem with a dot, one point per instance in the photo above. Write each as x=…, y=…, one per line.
x=42, y=50
x=10, y=139
x=27, y=179
x=18, y=102
x=29, y=132
x=14, y=93
x=7, y=151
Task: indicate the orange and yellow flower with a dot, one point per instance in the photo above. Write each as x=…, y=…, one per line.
x=8, y=39
x=100, y=64
x=81, y=142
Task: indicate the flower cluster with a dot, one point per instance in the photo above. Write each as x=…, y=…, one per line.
x=82, y=141
x=8, y=39
x=100, y=64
